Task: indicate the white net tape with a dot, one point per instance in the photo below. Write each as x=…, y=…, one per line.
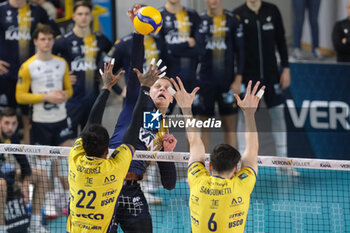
x=182, y=157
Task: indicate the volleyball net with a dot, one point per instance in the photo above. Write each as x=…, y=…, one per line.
x=291, y=194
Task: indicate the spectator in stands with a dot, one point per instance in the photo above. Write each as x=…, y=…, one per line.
x=48, y=6
x=299, y=9
x=220, y=36
x=264, y=32
x=17, y=23
x=82, y=49
x=37, y=177
x=47, y=76
x=180, y=25
x=341, y=38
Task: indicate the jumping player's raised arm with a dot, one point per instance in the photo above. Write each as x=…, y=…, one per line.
x=96, y=113
x=185, y=100
x=249, y=105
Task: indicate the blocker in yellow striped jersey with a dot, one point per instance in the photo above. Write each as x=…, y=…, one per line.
x=148, y=20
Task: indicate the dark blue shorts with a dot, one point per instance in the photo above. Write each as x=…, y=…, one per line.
x=204, y=102
x=52, y=134
x=78, y=114
x=8, y=95
x=132, y=211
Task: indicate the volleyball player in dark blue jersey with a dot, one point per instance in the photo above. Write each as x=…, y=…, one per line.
x=18, y=19
x=133, y=213
x=82, y=49
x=221, y=37
x=179, y=28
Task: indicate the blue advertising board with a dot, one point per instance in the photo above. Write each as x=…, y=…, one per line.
x=317, y=110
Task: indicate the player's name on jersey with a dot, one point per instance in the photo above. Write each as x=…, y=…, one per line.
x=215, y=192
x=88, y=170
x=13, y=33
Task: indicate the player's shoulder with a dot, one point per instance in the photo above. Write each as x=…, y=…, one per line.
x=37, y=9
x=100, y=35
x=190, y=11
x=59, y=59
x=228, y=13
x=203, y=15
x=29, y=61
x=127, y=38
x=267, y=6
x=240, y=9
x=162, y=10
x=4, y=4
x=67, y=36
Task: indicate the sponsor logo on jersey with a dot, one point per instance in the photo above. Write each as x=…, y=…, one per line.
x=109, y=179
x=90, y=216
x=242, y=176
x=12, y=33
x=79, y=64
x=237, y=201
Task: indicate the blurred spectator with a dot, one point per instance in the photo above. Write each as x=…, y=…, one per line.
x=24, y=176
x=48, y=6
x=299, y=9
x=264, y=32
x=47, y=77
x=220, y=36
x=82, y=49
x=18, y=19
x=179, y=28
x=341, y=38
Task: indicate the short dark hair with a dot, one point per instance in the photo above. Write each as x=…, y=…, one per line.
x=224, y=158
x=95, y=140
x=82, y=3
x=43, y=28
x=8, y=112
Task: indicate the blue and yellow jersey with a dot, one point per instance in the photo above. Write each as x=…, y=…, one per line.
x=94, y=186
x=218, y=204
x=16, y=28
x=177, y=28
x=83, y=55
x=222, y=39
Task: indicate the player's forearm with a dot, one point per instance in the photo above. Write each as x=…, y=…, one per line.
x=29, y=98
x=251, y=136
x=132, y=133
x=96, y=113
x=197, y=149
x=192, y=132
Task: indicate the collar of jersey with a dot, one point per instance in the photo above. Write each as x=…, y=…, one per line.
x=93, y=158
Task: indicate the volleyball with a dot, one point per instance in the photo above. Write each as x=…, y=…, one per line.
x=148, y=20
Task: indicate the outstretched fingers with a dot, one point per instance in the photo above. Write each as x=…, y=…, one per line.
x=138, y=73
x=257, y=84
x=195, y=90
x=177, y=88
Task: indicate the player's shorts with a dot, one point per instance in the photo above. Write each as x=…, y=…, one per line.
x=52, y=134
x=78, y=114
x=132, y=211
x=8, y=95
x=207, y=96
